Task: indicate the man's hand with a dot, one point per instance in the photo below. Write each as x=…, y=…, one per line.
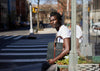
x=51, y=61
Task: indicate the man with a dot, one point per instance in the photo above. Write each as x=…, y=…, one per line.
x=64, y=33
x=79, y=38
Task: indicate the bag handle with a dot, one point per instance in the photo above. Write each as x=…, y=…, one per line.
x=55, y=41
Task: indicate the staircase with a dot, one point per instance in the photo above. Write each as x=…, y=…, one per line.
x=25, y=51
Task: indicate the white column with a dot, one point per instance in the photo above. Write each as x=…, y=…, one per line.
x=85, y=22
x=86, y=48
x=31, y=25
x=73, y=54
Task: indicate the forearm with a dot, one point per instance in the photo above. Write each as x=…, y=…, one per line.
x=65, y=52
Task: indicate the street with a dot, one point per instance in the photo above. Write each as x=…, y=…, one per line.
x=18, y=53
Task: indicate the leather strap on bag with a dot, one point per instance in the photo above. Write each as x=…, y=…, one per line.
x=55, y=45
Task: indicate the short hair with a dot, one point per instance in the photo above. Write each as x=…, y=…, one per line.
x=58, y=16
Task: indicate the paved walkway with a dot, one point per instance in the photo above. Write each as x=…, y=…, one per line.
x=44, y=31
x=26, y=32
x=47, y=31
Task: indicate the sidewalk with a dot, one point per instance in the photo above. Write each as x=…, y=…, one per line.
x=26, y=32
x=47, y=31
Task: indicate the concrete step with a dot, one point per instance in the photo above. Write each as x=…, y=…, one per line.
x=29, y=67
x=29, y=46
x=21, y=60
x=32, y=67
x=2, y=37
x=31, y=50
x=20, y=54
x=18, y=37
x=9, y=37
x=23, y=57
x=35, y=43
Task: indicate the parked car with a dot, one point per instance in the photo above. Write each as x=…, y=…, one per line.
x=96, y=28
x=24, y=24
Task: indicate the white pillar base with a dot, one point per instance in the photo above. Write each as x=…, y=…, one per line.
x=73, y=60
x=31, y=30
x=86, y=50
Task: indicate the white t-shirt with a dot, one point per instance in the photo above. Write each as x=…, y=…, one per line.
x=64, y=32
x=78, y=33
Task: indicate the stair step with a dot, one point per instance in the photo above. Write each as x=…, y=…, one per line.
x=40, y=50
x=23, y=49
x=35, y=43
x=9, y=37
x=30, y=67
x=23, y=57
x=27, y=41
x=31, y=46
x=18, y=37
x=21, y=60
x=19, y=54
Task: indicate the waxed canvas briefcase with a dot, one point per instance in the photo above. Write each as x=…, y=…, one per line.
x=53, y=50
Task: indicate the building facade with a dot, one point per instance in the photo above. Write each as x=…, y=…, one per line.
x=10, y=10
x=64, y=8
x=96, y=10
x=22, y=9
x=11, y=13
x=3, y=14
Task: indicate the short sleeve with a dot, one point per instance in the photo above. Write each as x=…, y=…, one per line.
x=66, y=33
x=78, y=32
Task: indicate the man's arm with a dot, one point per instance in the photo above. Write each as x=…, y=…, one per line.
x=64, y=52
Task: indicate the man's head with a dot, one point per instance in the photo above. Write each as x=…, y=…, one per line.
x=55, y=19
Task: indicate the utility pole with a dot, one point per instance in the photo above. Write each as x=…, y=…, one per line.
x=38, y=16
x=86, y=48
x=31, y=26
x=31, y=35
x=73, y=57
